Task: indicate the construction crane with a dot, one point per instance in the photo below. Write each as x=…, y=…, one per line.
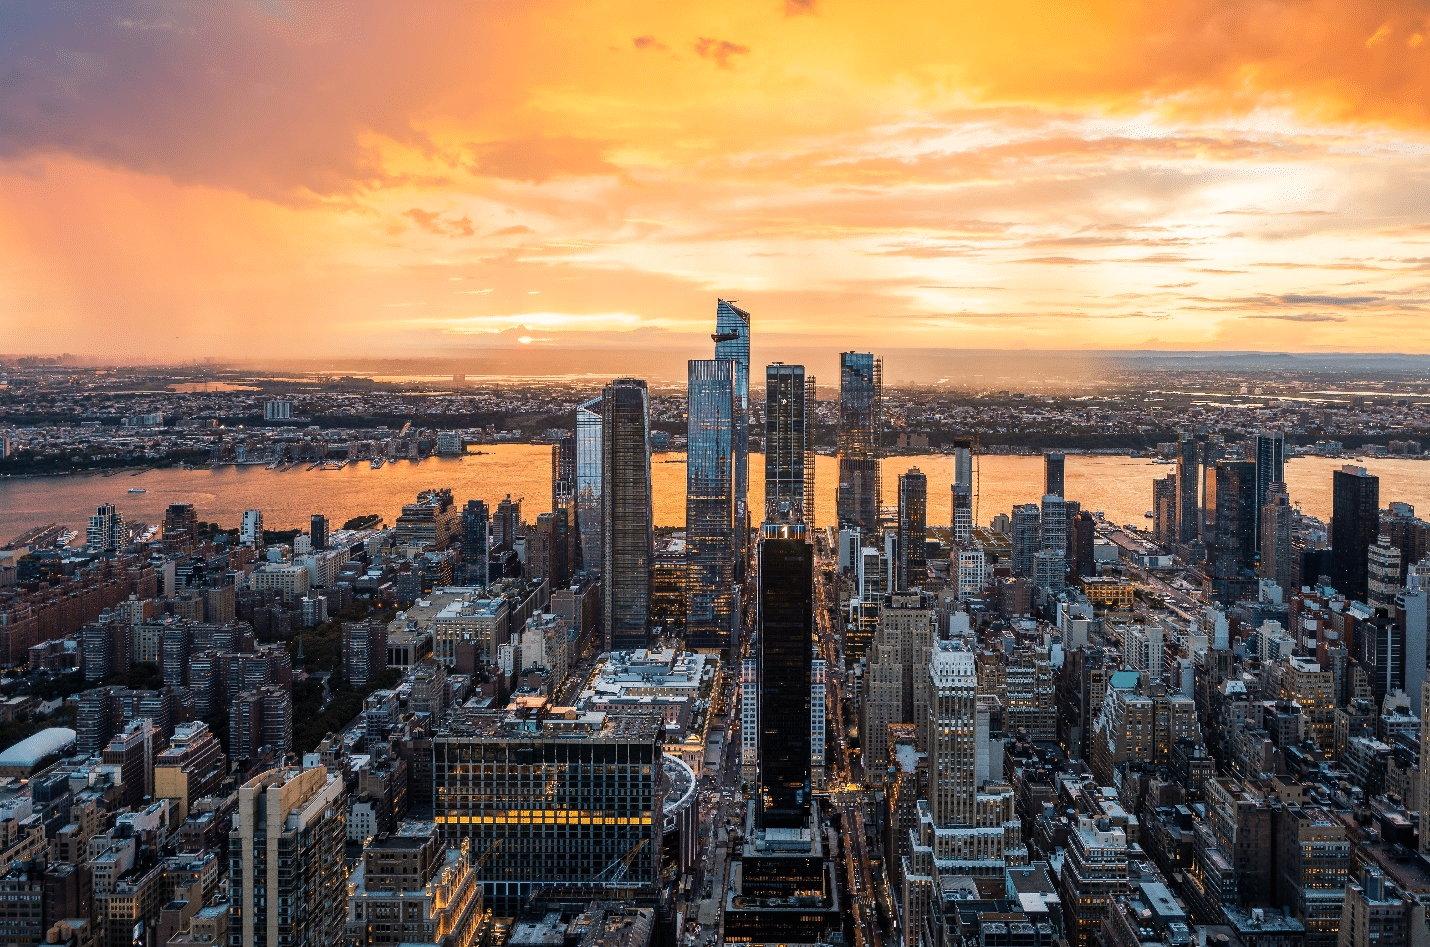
x=491, y=849
x=615, y=872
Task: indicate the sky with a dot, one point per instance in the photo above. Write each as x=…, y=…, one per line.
x=305, y=180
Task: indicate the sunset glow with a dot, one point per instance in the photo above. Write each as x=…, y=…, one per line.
x=406, y=179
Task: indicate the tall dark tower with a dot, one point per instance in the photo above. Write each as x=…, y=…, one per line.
x=1053, y=468
x=786, y=622
x=710, y=508
x=476, y=544
x=563, y=471
x=732, y=343
x=1234, y=547
x=1355, y=522
x=913, y=530
x=861, y=391
x=628, y=539
x=788, y=451
x=318, y=531
x=1188, y=509
x=1270, y=468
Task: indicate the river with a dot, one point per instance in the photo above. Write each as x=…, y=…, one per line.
x=1120, y=486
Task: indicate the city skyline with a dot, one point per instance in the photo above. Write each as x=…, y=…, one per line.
x=583, y=176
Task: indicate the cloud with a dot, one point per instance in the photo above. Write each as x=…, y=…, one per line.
x=799, y=7
x=432, y=222
x=719, y=50
x=648, y=42
x=537, y=159
x=1296, y=316
x=1295, y=299
x=512, y=231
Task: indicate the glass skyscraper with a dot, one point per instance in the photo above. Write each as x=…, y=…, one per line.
x=861, y=388
x=588, y=482
x=732, y=343
x=627, y=538
x=1270, y=468
x=913, y=530
x=710, y=515
x=1355, y=523
x=789, y=454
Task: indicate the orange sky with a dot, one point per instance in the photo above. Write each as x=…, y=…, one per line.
x=277, y=179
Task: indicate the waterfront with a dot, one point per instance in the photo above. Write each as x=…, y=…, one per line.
x=1119, y=486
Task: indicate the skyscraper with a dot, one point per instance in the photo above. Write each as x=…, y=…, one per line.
x=710, y=514
x=1233, y=549
x=788, y=449
x=106, y=529
x=732, y=343
x=786, y=628
x=1188, y=509
x=506, y=524
x=962, y=487
x=861, y=386
x=912, y=568
x=1270, y=468
x=1277, y=550
x=950, y=737
x=626, y=527
x=1355, y=523
x=1164, y=509
x=1053, y=466
x=476, y=543
x=287, y=875
x=1054, y=525
x=563, y=471
x=1027, y=537
x=318, y=531
x=588, y=482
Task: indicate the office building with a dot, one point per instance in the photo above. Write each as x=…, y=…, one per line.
x=1054, y=465
x=962, y=489
x=1082, y=535
x=789, y=451
x=563, y=471
x=912, y=568
x=627, y=537
x=476, y=544
x=711, y=521
x=287, y=876
x=1355, y=524
x=1027, y=537
x=1188, y=479
x=1233, y=547
x=318, y=532
x=550, y=801
x=1382, y=574
x=1270, y=463
x=1053, y=524
x=250, y=530
x=1414, y=623
x=1094, y=875
x=589, y=470
x=786, y=630
x=732, y=344
x=433, y=521
x=1277, y=548
x=506, y=524
x=364, y=651
x=1164, y=509
x=106, y=530
x=861, y=387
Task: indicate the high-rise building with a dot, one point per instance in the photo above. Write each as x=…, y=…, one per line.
x=506, y=524
x=1054, y=465
x=1188, y=476
x=1053, y=525
x=476, y=544
x=912, y=568
x=546, y=549
x=279, y=409
x=555, y=802
x=318, y=531
x=106, y=529
x=411, y=888
x=1277, y=549
x=181, y=518
x=789, y=451
x=1027, y=537
x=1233, y=549
x=1382, y=574
x=563, y=471
x=951, y=738
x=710, y=505
x=1413, y=620
x=1270, y=468
x=1164, y=509
x=364, y=651
x=861, y=392
x=786, y=630
x=589, y=470
x=1355, y=523
x=732, y=343
x=287, y=872
x=250, y=531
x=962, y=488
x=627, y=535
x=1094, y=874
x=1081, y=536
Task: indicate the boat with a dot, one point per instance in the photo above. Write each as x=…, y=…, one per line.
x=137, y=490
x=1150, y=515
x=376, y=463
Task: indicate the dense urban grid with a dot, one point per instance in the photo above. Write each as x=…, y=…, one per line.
x=472, y=727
